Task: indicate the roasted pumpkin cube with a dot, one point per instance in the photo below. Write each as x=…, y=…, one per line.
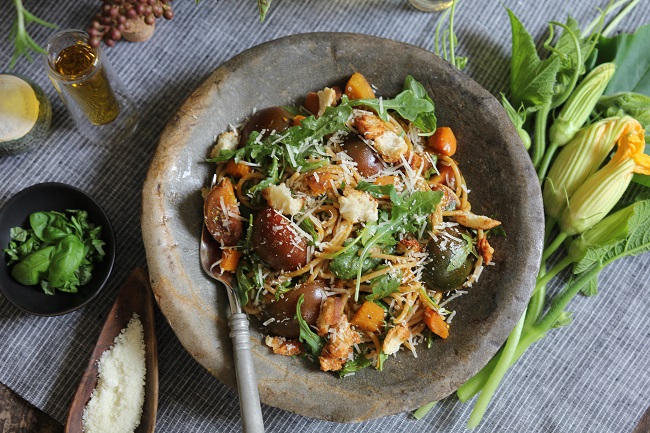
x=369, y=317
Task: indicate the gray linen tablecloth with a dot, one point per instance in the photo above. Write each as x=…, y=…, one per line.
x=592, y=377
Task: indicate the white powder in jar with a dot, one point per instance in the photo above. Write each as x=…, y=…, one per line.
x=115, y=405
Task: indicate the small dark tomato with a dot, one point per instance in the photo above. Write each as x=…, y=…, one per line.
x=276, y=242
x=268, y=120
x=438, y=273
x=368, y=162
x=283, y=310
x=225, y=228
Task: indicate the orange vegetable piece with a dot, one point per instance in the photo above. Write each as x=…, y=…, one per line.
x=370, y=317
x=446, y=176
x=386, y=180
x=443, y=141
x=237, y=169
x=436, y=323
x=229, y=259
x=297, y=119
x=358, y=87
x=319, y=182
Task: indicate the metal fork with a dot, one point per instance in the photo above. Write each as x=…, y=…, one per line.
x=249, y=398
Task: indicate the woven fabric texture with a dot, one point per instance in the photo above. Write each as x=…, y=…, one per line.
x=593, y=376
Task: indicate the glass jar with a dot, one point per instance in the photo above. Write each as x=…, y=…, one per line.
x=97, y=101
x=431, y=5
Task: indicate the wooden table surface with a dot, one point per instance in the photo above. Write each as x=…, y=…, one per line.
x=18, y=416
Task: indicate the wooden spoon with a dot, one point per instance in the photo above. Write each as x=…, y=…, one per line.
x=134, y=297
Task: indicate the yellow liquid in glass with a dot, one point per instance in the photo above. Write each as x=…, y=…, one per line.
x=94, y=95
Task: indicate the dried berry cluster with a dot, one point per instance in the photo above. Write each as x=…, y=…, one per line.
x=109, y=24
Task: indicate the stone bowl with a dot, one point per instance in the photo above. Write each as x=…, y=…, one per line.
x=497, y=169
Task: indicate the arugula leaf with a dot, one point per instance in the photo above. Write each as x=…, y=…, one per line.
x=358, y=363
x=384, y=285
x=313, y=342
x=460, y=253
x=413, y=104
x=345, y=265
x=425, y=121
x=408, y=213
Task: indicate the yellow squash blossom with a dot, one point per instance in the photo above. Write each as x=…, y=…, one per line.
x=593, y=200
x=580, y=159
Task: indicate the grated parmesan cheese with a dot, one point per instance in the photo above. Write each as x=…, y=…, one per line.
x=115, y=405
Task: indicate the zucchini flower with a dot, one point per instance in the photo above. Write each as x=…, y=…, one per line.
x=593, y=200
x=582, y=101
x=610, y=230
x=580, y=159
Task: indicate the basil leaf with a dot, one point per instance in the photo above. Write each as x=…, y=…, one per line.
x=66, y=259
x=33, y=268
x=49, y=226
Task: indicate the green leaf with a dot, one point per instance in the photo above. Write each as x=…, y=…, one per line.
x=313, y=342
x=413, y=104
x=263, y=7
x=384, y=285
x=564, y=319
x=358, y=363
x=49, y=226
x=345, y=265
x=460, y=253
x=532, y=81
x=624, y=233
x=33, y=268
x=631, y=54
x=66, y=259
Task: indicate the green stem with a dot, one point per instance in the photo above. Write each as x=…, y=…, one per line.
x=546, y=162
x=619, y=17
x=554, y=245
x=548, y=228
x=541, y=117
x=560, y=302
x=537, y=300
x=505, y=360
x=548, y=276
x=452, y=37
x=476, y=383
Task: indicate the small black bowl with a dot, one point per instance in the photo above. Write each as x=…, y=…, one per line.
x=52, y=197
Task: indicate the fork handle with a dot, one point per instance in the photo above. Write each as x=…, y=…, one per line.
x=249, y=397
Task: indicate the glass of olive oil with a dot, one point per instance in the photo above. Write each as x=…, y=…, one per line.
x=97, y=100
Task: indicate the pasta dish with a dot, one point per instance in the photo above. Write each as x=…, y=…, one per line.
x=347, y=224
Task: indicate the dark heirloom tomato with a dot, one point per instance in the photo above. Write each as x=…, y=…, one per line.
x=269, y=119
x=283, y=310
x=436, y=272
x=226, y=228
x=276, y=242
x=368, y=162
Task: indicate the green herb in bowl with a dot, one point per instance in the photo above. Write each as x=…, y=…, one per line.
x=57, y=252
